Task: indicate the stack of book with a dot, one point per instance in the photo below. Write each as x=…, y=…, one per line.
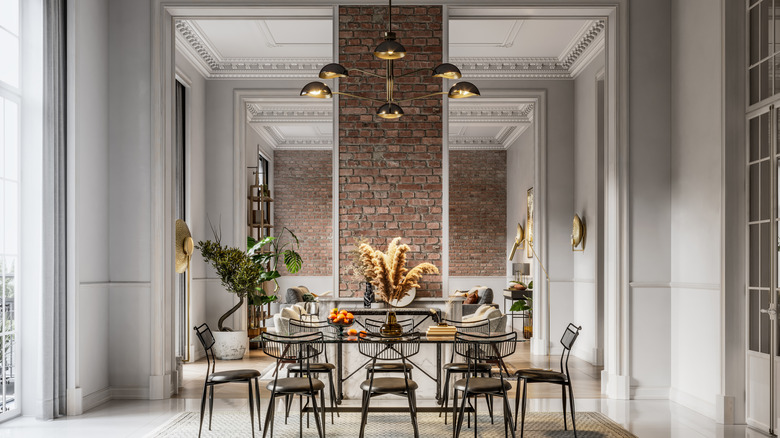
x=442, y=330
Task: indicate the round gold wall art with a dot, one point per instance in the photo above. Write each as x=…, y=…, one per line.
x=184, y=246
x=577, y=234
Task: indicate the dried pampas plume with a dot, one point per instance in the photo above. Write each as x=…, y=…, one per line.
x=388, y=273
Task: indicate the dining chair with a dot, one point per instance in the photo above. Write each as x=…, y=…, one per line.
x=214, y=378
x=317, y=367
x=562, y=378
x=373, y=326
x=477, y=348
x=453, y=367
x=383, y=348
x=301, y=348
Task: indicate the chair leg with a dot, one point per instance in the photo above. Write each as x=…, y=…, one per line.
x=332, y=396
x=517, y=398
x=320, y=426
x=461, y=414
x=563, y=399
x=508, y=414
x=571, y=400
x=211, y=404
x=522, y=417
x=476, y=403
x=287, y=405
x=251, y=408
x=364, y=413
x=269, y=416
x=257, y=402
x=454, y=411
x=202, y=408
x=446, y=390
x=322, y=411
x=413, y=412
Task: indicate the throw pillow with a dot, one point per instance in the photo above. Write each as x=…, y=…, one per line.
x=300, y=309
x=290, y=313
x=472, y=298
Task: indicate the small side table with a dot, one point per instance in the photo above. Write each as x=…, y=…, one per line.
x=513, y=295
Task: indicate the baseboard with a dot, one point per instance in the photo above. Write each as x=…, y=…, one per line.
x=95, y=399
x=591, y=355
x=129, y=393
x=649, y=393
x=692, y=402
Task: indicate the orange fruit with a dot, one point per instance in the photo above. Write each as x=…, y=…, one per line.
x=352, y=332
x=339, y=318
x=332, y=316
x=342, y=312
x=334, y=310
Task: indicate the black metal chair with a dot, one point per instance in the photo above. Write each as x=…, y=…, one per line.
x=453, y=367
x=316, y=367
x=476, y=348
x=214, y=378
x=373, y=326
x=400, y=348
x=562, y=378
x=301, y=348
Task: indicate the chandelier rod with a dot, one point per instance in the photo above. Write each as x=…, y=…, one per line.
x=358, y=97
x=422, y=97
x=390, y=16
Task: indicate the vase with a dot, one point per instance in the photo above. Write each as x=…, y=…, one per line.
x=528, y=327
x=391, y=326
x=368, y=296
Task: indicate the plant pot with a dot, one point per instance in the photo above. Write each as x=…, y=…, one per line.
x=230, y=345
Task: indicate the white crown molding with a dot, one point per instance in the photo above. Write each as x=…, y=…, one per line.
x=219, y=67
x=278, y=141
x=500, y=142
x=285, y=113
x=563, y=67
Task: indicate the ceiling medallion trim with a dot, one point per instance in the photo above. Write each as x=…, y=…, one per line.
x=216, y=66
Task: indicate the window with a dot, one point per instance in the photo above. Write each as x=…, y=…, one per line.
x=10, y=99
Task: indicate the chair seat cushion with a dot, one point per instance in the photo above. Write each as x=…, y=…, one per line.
x=314, y=367
x=295, y=385
x=548, y=376
x=388, y=385
x=233, y=376
x=389, y=367
x=462, y=367
x=482, y=385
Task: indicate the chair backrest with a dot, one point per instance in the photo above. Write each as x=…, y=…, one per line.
x=207, y=341
x=373, y=325
x=308, y=326
x=476, y=347
x=567, y=340
x=301, y=348
x=481, y=326
x=384, y=348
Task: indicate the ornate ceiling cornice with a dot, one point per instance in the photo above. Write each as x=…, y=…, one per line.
x=289, y=113
x=562, y=67
x=211, y=63
x=278, y=141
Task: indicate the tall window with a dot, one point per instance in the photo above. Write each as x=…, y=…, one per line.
x=10, y=100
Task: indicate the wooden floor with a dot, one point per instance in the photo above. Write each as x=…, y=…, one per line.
x=586, y=377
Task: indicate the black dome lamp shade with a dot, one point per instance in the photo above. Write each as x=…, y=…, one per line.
x=390, y=48
x=333, y=70
x=390, y=111
x=447, y=71
x=316, y=89
x=462, y=90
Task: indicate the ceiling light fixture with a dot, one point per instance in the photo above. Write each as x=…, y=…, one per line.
x=390, y=50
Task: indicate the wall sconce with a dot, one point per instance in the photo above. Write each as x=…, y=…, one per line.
x=578, y=233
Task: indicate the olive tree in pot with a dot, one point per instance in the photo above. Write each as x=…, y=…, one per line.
x=243, y=273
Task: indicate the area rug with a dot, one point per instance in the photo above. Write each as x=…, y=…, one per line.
x=235, y=424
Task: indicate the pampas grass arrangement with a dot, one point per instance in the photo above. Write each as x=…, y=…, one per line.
x=387, y=271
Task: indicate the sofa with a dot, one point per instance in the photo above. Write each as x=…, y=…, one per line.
x=485, y=295
x=497, y=320
x=292, y=312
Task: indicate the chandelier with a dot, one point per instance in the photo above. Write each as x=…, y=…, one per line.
x=390, y=50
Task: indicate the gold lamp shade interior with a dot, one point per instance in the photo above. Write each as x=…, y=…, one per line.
x=316, y=89
x=184, y=246
x=390, y=111
x=462, y=90
x=518, y=240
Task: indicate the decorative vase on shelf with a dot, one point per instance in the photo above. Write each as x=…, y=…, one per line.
x=391, y=326
x=368, y=295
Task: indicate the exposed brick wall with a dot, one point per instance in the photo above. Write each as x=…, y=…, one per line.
x=478, y=213
x=303, y=202
x=390, y=172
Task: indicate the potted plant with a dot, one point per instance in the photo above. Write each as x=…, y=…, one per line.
x=243, y=273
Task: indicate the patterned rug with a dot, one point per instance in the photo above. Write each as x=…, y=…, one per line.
x=235, y=424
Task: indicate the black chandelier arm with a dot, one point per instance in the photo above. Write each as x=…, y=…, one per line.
x=359, y=97
x=440, y=93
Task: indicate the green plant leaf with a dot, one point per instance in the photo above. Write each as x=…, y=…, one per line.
x=293, y=261
x=256, y=245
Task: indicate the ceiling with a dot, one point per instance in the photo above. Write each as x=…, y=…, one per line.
x=297, y=43
x=295, y=124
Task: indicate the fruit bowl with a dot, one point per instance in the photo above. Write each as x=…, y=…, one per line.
x=340, y=319
x=341, y=326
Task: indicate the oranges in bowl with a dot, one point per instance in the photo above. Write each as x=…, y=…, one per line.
x=341, y=319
